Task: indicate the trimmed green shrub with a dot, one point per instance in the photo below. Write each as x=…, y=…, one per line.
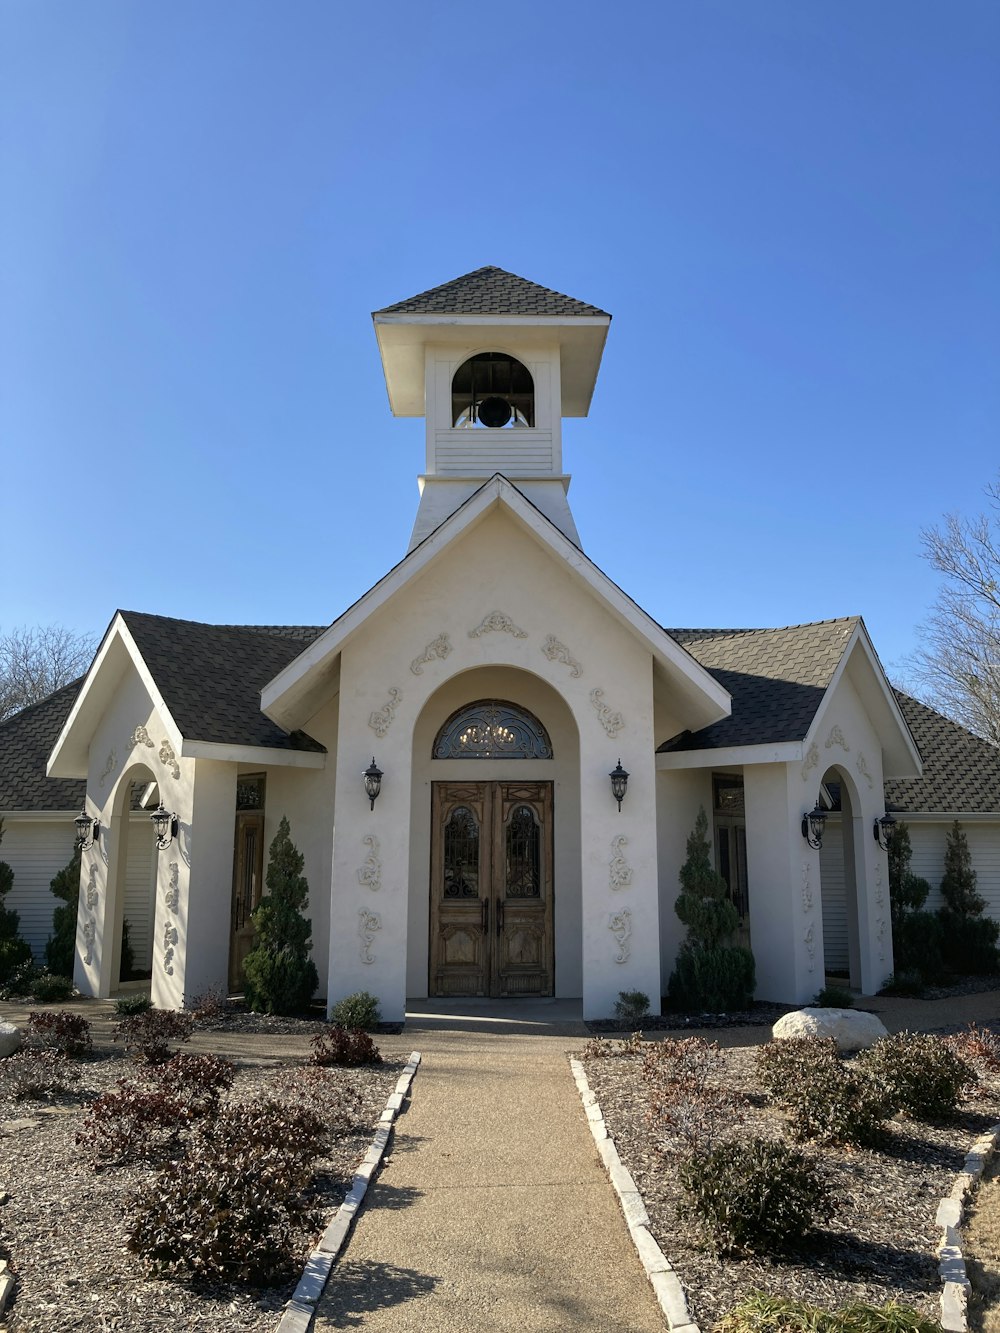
x=280, y=977
x=712, y=980
x=824, y=1098
x=958, y=885
x=631, y=1006
x=921, y=1075
x=833, y=997
x=14, y=952
x=357, y=1011
x=60, y=948
x=128, y=1005
x=755, y=1196
x=969, y=943
x=49, y=988
x=760, y=1313
x=703, y=905
x=918, y=945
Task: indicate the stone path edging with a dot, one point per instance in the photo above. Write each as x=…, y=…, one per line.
x=664, y=1280
x=954, y=1278
x=299, y=1311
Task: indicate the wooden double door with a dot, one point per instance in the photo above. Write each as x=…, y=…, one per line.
x=491, y=889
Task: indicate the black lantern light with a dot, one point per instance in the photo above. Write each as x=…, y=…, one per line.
x=373, y=781
x=812, y=827
x=164, y=826
x=88, y=831
x=619, y=783
x=883, y=829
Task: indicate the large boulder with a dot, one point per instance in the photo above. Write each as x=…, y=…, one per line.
x=10, y=1039
x=852, y=1029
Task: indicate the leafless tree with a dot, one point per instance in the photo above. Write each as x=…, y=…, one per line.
x=37, y=659
x=959, y=663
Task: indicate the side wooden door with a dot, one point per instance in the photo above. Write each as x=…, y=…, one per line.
x=248, y=879
x=522, y=888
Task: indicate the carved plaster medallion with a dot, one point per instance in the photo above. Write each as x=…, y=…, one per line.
x=811, y=760
x=620, y=925
x=370, y=874
x=140, y=736
x=836, y=737
x=168, y=757
x=172, y=893
x=381, y=717
x=92, y=889
x=90, y=935
x=809, y=939
x=611, y=721
x=437, y=648
x=169, y=940
x=807, y=893
x=368, y=923
x=862, y=767
x=620, y=871
x=558, y=652
x=497, y=622
x=108, y=766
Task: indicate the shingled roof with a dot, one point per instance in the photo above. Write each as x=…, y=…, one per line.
x=26, y=740
x=777, y=679
x=491, y=291
x=211, y=676
x=961, y=770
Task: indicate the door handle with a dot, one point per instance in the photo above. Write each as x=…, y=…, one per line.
x=486, y=916
x=500, y=917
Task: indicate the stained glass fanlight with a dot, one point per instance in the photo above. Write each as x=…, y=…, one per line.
x=492, y=729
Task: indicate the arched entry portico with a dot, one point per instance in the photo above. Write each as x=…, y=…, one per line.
x=842, y=870
x=498, y=791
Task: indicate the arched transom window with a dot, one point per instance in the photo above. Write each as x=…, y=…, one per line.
x=494, y=390
x=492, y=729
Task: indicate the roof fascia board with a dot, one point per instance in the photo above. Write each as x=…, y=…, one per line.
x=497, y=490
x=117, y=631
x=253, y=754
x=946, y=816
x=783, y=752
x=39, y=816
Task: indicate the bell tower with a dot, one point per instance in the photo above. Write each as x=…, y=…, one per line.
x=493, y=362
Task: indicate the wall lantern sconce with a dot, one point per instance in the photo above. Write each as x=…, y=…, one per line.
x=164, y=826
x=88, y=831
x=883, y=830
x=619, y=783
x=373, y=781
x=812, y=827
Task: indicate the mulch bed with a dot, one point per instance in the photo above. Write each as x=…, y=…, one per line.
x=882, y=1240
x=63, y=1226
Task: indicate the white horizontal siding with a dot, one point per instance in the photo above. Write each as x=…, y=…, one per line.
x=36, y=850
x=834, y=894
x=928, y=842
x=140, y=890
x=518, y=451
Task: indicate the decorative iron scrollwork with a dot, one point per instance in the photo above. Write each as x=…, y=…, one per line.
x=492, y=729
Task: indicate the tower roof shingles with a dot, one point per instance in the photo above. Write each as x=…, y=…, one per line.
x=491, y=291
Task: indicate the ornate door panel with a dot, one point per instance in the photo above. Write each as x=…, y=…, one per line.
x=491, y=889
x=248, y=878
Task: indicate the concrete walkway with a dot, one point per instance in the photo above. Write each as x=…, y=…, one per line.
x=494, y=1211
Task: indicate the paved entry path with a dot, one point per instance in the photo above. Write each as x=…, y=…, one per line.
x=493, y=1211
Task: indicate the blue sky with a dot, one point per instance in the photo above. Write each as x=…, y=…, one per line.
x=789, y=207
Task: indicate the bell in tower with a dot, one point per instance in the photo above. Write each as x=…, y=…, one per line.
x=492, y=390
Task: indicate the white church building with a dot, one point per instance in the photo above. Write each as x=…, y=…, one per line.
x=502, y=685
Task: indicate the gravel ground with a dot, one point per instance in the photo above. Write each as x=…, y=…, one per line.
x=881, y=1242
x=63, y=1225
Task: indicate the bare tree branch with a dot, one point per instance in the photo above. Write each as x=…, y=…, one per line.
x=35, y=660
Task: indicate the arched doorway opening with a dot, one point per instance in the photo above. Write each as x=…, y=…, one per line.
x=494, y=902
x=130, y=909
x=838, y=864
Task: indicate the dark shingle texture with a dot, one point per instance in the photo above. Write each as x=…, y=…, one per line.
x=961, y=771
x=491, y=291
x=26, y=740
x=777, y=678
x=211, y=676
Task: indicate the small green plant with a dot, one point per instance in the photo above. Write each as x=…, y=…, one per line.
x=50, y=988
x=280, y=977
x=922, y=1075
x=833, y=997
x=359, y=1011
x=760, y=1313
x=147, y=1033
x=61, y=1031
x=632, y=1006
x=337, y=1045
x=127, y=1006
x=824, y=1098
x=755, y=1196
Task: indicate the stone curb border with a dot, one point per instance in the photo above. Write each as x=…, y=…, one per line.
x=665, y=1282
x=299, y=1311
x=955, y=1289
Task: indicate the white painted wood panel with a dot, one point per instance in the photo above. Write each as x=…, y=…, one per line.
x=521, y=451
x=140, y=890
x=831, y=868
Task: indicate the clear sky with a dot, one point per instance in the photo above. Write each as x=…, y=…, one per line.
x=790, y=207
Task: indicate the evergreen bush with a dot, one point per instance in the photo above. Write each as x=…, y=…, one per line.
x=359, y=1011
x=916, y=934
x=60, y=948
x=968, y=939
x=14, y=952
x=921, y=1075
x=280, y=976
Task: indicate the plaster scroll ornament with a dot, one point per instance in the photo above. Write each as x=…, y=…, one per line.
x=168, y=757
x=90, y=935
x=368, y=923
x=370, y=874
x=620, y=925
x=497, y=622
x=380, y=719
x=438, y=648
x=877, y=892
x=862, y=767
x=92, y=889
x=809, y=939
x=108, y=766
x=811, y=760
x=881, y=939
x=836, y=737
x=558, y=652
x=611, y=721
x=621, y=872
x=172, y=896
x=807, y=893
x=169, y=940
x=140, y=736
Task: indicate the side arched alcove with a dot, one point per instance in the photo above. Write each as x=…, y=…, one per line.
x=524, y=690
